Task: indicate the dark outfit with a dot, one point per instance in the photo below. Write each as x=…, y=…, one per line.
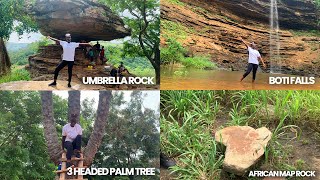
x=251, y=67
x=71, y=146
x=61, y=65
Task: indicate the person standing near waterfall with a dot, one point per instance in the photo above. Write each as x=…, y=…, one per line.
x=69, y=49
x=253, y=61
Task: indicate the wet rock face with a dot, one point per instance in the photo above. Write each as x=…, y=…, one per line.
x=84, y=19
x=293, y=14
x=214, y=30
x=244, y=147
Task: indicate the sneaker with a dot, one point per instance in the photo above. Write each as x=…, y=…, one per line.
x=53, y=84
x=69, y=85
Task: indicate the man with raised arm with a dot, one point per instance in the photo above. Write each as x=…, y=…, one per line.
x=68, y=55
x=253, y=61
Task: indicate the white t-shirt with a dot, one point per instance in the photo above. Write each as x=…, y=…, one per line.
x=69, y=50
x=71, y=132
x=253, y=56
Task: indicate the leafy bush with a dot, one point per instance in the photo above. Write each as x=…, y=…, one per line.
x=172, y=53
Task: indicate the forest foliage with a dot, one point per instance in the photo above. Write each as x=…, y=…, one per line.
x=131, y=138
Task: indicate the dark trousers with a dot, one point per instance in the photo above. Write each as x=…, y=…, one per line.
x=71, y=146
x=251, y=67
x=61, y=66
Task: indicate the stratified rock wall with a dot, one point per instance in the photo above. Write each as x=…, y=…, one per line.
x=85, y=19
x=293, y=14
x=45, y=62
x=214, y=28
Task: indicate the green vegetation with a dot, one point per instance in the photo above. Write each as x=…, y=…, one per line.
x=174, y=52
x=189, y=118
x=131, y=137
x=17, y=74
x=20, y=56
x=173, y=30
x=176, y=2
x=143, y=18
x=306, y=33
x=13, y=19
x=199, y=62
x=137, y=65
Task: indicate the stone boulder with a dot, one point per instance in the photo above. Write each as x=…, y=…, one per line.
x=85, y=19
x=244, y=147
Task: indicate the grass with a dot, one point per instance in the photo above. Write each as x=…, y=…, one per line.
x=309, y=33
x=16, y=75
x=176, y=2
x=189, y=118
x=199, y=62
x=173, y=30
x=174, y=52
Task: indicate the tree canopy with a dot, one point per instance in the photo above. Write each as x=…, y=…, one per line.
x=143, y=17
x=131, y=135
x=14, y=18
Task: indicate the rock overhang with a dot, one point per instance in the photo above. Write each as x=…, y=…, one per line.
x=85, y=20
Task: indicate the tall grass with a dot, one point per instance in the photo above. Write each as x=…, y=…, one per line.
x=189, y=120
x=16, y=75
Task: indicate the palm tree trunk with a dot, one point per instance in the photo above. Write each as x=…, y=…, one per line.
x=74, y=105
x=50, y=132
x=5, y=63
x=99, y=127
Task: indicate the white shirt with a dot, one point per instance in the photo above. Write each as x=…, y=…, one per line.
x=253, y=56
x=69, y=50
x=71, y=132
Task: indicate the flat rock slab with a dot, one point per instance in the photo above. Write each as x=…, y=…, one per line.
x=244, y=146
x=85, y=19
x=43, y=86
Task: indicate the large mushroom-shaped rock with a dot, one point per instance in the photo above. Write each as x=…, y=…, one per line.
x=84, y=19
x=244, y=146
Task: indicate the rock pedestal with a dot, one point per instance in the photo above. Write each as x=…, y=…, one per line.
x=49, y=57
x=244, y=147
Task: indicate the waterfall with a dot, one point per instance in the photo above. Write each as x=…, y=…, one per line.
x=275, y=64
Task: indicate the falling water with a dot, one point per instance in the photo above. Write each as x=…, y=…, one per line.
x=275, y=65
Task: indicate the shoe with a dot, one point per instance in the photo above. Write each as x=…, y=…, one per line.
x=53, y=84
x=165, y=161
x=69, y=85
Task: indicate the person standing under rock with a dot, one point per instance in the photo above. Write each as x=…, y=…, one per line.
x=69, y=49
x=102, y=55
x=254, y=57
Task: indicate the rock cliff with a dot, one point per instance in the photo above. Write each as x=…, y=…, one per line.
x=215, y=28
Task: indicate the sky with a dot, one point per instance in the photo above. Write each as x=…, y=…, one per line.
x=151, y=101
x=25, y=38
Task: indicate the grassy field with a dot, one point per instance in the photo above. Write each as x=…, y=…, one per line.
x=190, y=118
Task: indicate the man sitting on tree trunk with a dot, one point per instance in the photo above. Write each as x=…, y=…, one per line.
x=71, y=138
